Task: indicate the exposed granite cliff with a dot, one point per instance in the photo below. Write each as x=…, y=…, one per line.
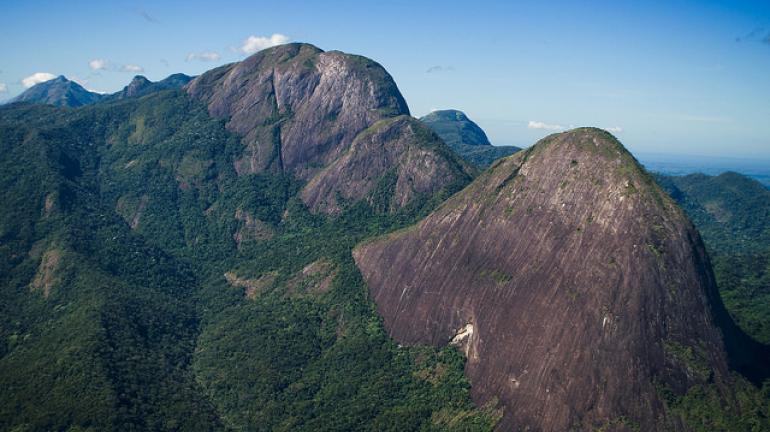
x=308, y=112
x=577, y=288
x=399, y=154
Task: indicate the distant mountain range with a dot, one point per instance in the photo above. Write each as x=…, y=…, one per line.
x=63, y=92
x=140, y=86
x=59, y=92
x=466, y=137
x=680, y=165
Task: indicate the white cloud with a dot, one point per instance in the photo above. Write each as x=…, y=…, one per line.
x=3, y=88
x=37, y=78
x=106, y=65
x=253, y=43
x=615, y=129
x=131, y=68
x=98, y=64
x=540, y=125
x=205, y=56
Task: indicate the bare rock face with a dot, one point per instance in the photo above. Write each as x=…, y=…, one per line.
x=47, y=272
x=251, y=228
x=299, y=110
x=400, y=146
x=136, y=86
x=575, y=286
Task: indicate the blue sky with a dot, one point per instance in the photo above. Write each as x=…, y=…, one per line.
x=677, y=77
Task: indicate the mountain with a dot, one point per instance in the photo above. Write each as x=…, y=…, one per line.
x=732, y=212
x=65, y=93
x=579, y=291
x=58, y=92
x=152, y=278
x=140, y=86
x=185, y=260
x=325, y=117
x=455, y=128
x=466, y=137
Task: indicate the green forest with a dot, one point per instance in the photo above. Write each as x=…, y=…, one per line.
x=732, y=213
x=144, y=285
x=128, y=305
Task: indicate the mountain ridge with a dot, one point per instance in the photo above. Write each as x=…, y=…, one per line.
x=63, y=92
x=58, y=92
x=140, y=86
x=304, y=110
x=189, y=259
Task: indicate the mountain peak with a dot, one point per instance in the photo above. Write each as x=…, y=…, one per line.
x=310, y=113
x=447, y=114
x=140, y=79
x=137, y=85
x=141, y=86
x=574, y=228
x=465, y=137
x=455, y=128
x=59, y=91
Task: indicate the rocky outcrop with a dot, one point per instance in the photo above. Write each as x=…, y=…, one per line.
x=47, y=272
x=251, y=287
x=137, y=86
x=577, y=289
x=398, y=154
x=314, y=278
x=250, y=229
x=300, y=110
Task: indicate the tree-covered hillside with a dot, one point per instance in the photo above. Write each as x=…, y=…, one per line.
x=146, y=285
x=732, y=212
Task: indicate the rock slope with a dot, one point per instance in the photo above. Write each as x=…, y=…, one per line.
x=577, y=289
x=309, y=113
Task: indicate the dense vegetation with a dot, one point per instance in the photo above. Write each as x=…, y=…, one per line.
x=146, y=286
x=732, y=212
